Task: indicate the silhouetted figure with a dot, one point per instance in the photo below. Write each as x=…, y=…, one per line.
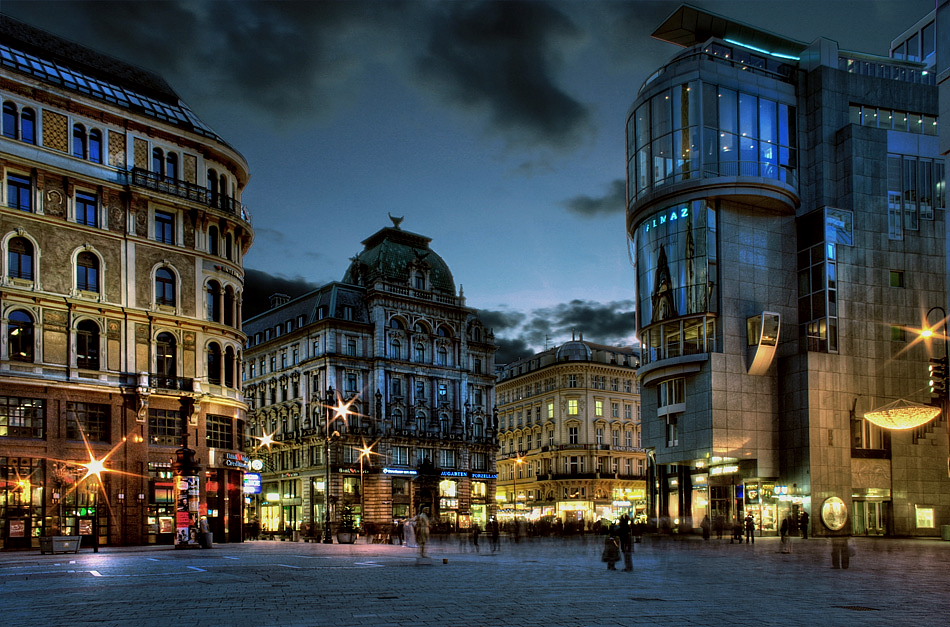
x=840, y=552
x=803, y=524
x=749, y=529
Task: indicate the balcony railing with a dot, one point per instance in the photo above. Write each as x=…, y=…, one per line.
x=189, y=191
x=162, y=382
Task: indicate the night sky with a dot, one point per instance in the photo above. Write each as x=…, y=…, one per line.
x=495, y=128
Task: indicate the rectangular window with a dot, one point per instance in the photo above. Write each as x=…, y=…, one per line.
x=164, y=227
x=19, y=192
x=220, y=431
x=88, y=421
x=400, y=455
x=572, y=380
x=897, y=278
x=615, y=410
x=87, y=209
x=164, y=427
x=550, y=437
x=572, y=407
x=447, y=458
x=572, y=435
x=598, y=408
x=22, y=417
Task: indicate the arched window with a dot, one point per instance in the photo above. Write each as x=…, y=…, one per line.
x=166, y=350
x=171, y=166
x=214, y=363
x=87, y=345
x=396, y=323
x=444, y=423
x=165, y=287
x=11, y=120
x=420, y=352
x=223, y=191
x=213, y=240
x=229, y=307
x=395, y=349
x=158, y=161
x=95, y=145
x=20, y=258
x=79, y=141
x=442, y=356
x=20, y=336
x=398, y=422
x=477, y=334
x=229, y=367
x=213, y=187
x=28, y=125
x=419, y=328
x=87, y=272
x=214, y=301
x=443, y=331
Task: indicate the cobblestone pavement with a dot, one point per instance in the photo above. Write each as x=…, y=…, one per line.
x=535, y=582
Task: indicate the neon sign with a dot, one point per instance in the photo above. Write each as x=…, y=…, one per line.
x=676, y=213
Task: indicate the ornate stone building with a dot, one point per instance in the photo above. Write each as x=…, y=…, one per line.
x=122, y=235
x=569, y=436
x=396, y=340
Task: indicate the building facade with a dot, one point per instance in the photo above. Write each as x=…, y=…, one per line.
x=787, y=213
x=395, y=340
x=570, y=451
x=123, y=236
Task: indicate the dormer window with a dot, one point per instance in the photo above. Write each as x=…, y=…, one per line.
x=418, y=280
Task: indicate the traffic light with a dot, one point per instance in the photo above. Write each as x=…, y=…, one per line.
x=938, y=377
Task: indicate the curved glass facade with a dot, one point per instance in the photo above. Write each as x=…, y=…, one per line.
x=677, y=275
x=700, y=130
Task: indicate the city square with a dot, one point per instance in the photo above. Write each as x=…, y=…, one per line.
x=552, y=581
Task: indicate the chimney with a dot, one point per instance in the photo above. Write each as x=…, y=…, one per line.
x=276, y=300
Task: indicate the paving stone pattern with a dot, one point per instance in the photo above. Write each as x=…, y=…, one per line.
x=549, y=582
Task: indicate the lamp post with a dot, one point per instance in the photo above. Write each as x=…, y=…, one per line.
x=366, y=451
x=938, y=366
x=327, y=529
x=518, y=461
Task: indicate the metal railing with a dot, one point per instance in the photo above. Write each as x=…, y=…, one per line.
x=189, y=191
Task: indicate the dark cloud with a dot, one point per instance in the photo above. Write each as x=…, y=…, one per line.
x=298, y=61
x=613, y=202
x=502, y=57
x=259, y=286
x=518, y=334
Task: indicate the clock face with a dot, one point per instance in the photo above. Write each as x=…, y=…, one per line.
x=834, y=513
x=257, y=464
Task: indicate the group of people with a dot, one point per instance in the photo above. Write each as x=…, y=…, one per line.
x=619, y=543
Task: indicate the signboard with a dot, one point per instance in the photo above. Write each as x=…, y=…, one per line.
x=17, y=527
x=253, y=483
x=85, y=526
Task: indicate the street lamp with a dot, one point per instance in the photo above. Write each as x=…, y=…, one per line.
x=518, y=461
x=336, y=409
x=366, y=451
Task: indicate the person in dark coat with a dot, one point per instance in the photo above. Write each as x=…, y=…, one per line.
x=704, y=525
x=611, y=553
x=784, y=531
x=626, y=542
x=803, y=524
x=749, y=529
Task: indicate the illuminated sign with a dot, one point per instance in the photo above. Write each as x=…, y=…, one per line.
x=484, y=475
x=236, y=460
x=676, y=213
x=621, y=503
x=454, y=473
x=398, y=471
x=257, y=464
x=723, y=470
x=252, y=483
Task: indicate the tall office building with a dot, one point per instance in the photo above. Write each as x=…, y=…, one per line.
x=396, y=345
x=569, y=437
x=787, y=212
x=123, y=235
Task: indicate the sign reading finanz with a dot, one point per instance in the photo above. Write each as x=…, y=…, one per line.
x=660, y=219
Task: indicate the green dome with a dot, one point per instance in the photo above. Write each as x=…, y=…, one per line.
x=397, y=256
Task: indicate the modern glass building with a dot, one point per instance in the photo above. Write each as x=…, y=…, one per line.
x=786, y=208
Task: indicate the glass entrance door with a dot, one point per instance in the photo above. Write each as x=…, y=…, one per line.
x=869, y=518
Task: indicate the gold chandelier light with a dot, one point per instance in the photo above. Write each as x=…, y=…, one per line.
x=902, y=414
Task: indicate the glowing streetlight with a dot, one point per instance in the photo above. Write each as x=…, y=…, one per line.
x=365, y=452
x=519, y=460
x=336, y=409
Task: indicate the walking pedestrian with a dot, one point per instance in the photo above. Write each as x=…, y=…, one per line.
x=704, y=525
x=611, y=553
x=749, y=529
x=626, y=542
x=718, y=526
x=784, y=531
x=422, y=530
x=476, y=530
x=841, y=552
x=803, y=524
x=736, y=532
x=494, y=533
